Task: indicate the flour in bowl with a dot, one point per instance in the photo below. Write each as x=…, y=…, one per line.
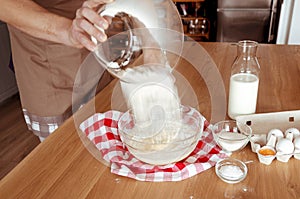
x=152, y=96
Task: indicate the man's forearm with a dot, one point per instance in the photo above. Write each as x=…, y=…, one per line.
x=34, y=20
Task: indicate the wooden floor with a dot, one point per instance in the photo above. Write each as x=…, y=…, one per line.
x=16, y=142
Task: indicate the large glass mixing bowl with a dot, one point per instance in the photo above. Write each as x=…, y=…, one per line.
x=173, y=142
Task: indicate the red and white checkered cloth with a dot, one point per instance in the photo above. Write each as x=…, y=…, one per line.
x=102, y=130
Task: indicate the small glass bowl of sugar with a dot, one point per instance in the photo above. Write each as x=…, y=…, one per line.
x=231, y=170
x=231, y=135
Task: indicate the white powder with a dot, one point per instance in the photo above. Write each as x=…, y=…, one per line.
x=230, y=141
x=152, y=96
x=231, y=172
x=113, y=65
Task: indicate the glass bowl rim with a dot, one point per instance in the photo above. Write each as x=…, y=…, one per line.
x=247, y=135
x=231, y=161
x=200, y=126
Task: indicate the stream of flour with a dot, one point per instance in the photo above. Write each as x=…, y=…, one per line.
x=152, y=96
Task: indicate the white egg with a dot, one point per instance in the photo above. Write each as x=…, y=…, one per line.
x=285, y=146
x=294, y=131
x=297, y=142
x=277, y=132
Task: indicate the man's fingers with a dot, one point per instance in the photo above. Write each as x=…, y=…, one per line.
x=92, y=16
x=88, y=23
x=90, y=29
x=85, y=41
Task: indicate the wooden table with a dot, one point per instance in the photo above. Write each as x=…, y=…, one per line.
x=61, y=167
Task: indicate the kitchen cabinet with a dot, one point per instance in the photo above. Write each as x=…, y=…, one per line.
x=195, y=23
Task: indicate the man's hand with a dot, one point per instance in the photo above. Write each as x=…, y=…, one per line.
x=85, y=22
x=38, y=22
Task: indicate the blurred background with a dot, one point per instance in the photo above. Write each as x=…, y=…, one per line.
x=265, y=21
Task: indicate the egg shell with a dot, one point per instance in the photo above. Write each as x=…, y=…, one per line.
x=284, y=146
x=265, y=159
x=277, y=132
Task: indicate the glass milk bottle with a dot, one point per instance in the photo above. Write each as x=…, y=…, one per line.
x=244, y=80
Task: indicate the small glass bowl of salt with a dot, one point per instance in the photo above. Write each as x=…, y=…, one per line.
x=231, y=170
x=231, y=135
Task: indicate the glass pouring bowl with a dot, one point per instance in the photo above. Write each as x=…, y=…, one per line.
x=139, y=30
